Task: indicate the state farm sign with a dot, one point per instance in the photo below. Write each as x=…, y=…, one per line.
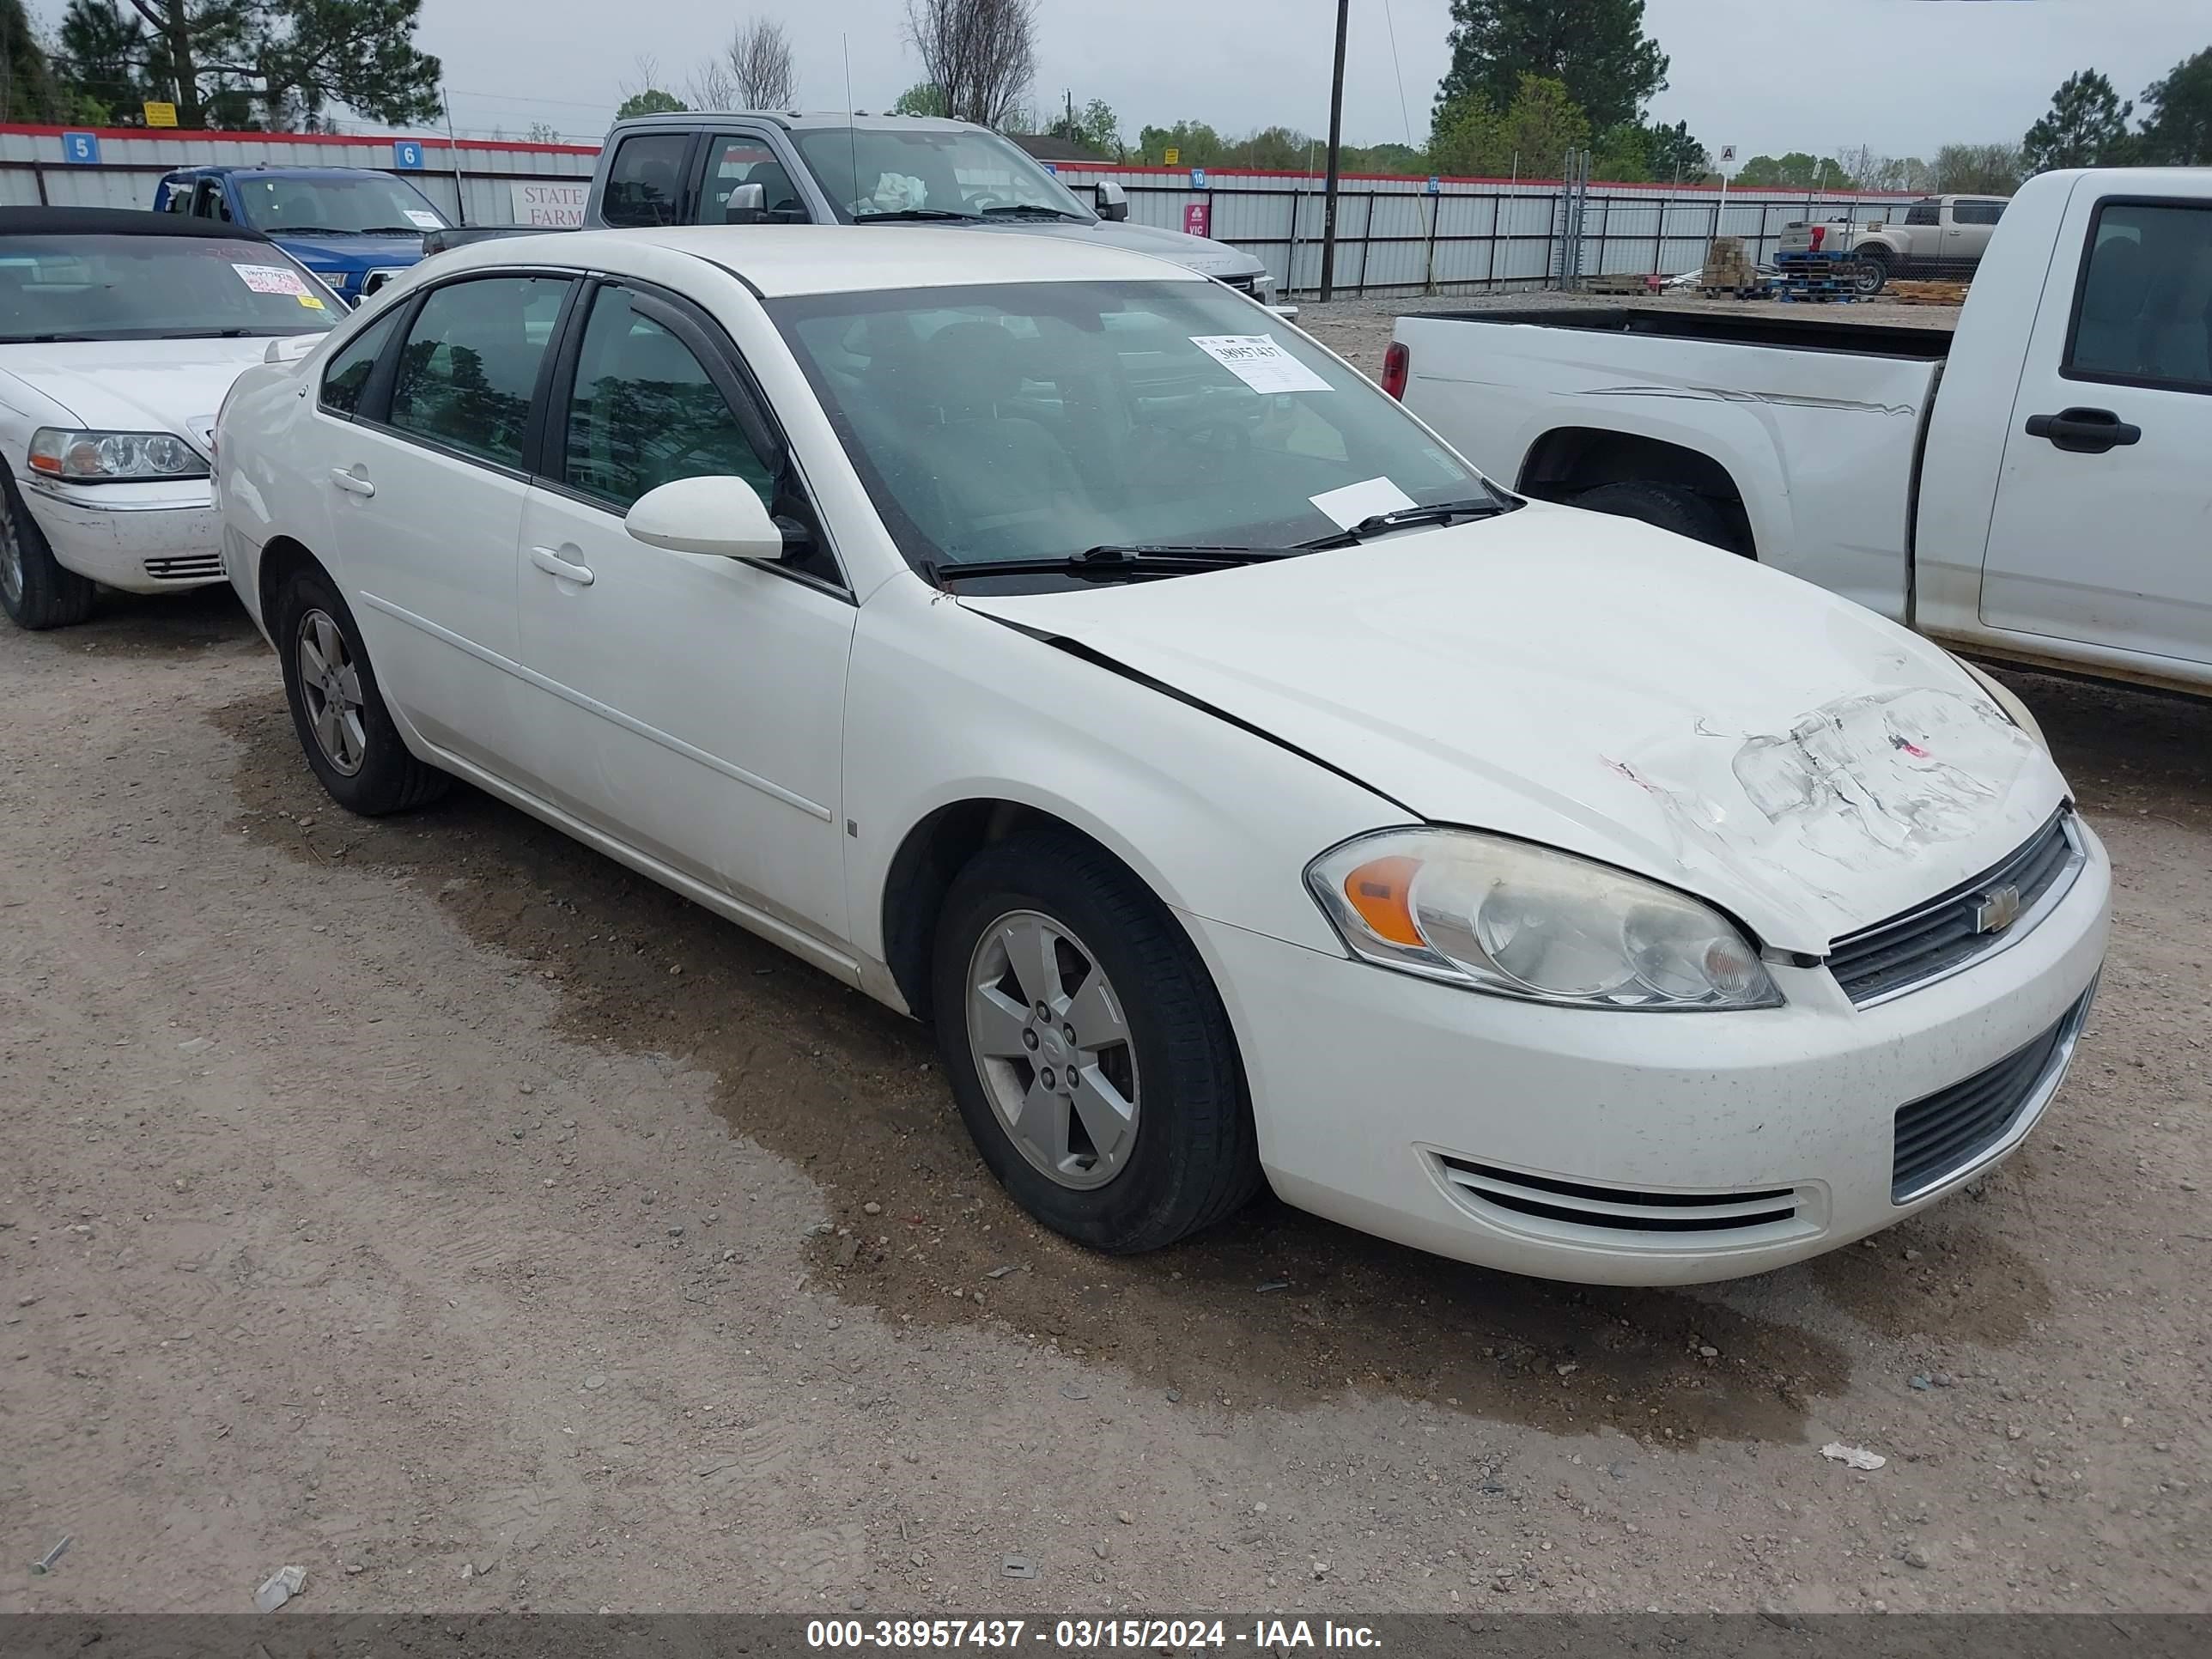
x=549, y=204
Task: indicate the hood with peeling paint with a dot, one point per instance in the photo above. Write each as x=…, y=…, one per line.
x=1596, y=684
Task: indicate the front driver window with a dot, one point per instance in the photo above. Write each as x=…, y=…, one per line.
x=469, y=365
x=644, y=412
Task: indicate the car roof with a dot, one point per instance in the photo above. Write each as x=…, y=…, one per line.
x=115, y=222
x=781, y=260
x=791, y=120
x=221, y=169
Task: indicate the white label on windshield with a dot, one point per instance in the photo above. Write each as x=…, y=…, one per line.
x=1259, y=362
x=1355, y=503
x=427, y=220
x=270, y=279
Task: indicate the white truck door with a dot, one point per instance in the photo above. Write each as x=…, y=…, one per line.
x=2099, y=535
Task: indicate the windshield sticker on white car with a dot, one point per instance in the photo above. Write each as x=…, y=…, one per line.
x=270, y=279
x=1356, y=504
x=427, y=220
x=1259, y=362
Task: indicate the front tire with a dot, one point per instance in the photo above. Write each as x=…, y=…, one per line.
x=36, y=590
x=1088, y=1050
x=1670, y=507
x=348, y=733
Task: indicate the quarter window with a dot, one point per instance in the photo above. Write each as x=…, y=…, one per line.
x=469, y=365
x=644, y=179
x=644, y=412
x=347, y=376
x=2145, y=314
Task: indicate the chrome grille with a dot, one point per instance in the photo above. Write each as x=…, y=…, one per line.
x=1939, y=1136
x=190, y=567
x=1957, y=928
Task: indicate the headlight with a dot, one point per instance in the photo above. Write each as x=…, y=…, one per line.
x=1518, y=921
x=1263, y=288
x=113, y=457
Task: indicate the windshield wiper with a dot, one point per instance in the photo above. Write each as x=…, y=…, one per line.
x=1113, y=561
x=1484, y=506
x=1031, y=208
x=910, y=215
x=392, y=230
x=311, y=230
x=53, y=339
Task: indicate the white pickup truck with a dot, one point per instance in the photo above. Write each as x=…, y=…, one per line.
x=1935, y=236
x=2035, y=488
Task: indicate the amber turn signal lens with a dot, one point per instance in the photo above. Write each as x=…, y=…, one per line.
x=1381, y=891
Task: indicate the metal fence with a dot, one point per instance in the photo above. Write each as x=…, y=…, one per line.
x=472, y=181
x=1394, y=236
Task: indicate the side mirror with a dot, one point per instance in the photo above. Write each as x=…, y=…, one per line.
x=1112, y=201
x=748, y=205
x=719, y=515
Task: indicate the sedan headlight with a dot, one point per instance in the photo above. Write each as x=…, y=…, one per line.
x=1519, y=921
x=113, y=457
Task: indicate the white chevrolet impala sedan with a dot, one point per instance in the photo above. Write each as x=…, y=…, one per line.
x=1062, y=649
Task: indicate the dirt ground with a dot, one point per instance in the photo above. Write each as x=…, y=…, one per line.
x=435, y=1205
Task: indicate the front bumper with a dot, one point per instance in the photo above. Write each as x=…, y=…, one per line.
x=141, y=539
x=1634, y=1148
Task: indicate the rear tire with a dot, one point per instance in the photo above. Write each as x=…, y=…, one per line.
x=1670, y=507
x=349, y=735
x=1150, y=1034
x=1873, y=273
x=36, y=590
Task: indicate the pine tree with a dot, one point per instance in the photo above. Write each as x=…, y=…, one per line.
x=2086, y=127
x=1596, y=48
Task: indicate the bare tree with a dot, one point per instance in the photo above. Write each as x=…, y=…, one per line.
x=980, y=54
x=759, y=56
x=713, y=87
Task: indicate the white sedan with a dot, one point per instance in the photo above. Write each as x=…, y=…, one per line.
x=120, y=333
x=1060, y=648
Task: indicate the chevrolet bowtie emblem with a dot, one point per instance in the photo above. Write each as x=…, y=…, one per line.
x=1998, y=910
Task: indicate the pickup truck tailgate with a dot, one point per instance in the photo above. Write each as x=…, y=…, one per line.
x=1815, y=425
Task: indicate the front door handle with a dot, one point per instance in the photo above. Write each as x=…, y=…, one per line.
x=2083, y=431
x=352, y=482
x=554, y=565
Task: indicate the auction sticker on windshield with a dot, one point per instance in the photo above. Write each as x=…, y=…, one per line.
x=1261, y=364
x=426, y=221
x=270, y=279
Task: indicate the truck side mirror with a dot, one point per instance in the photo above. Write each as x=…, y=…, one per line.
x=748, y=205
x=1112, y=201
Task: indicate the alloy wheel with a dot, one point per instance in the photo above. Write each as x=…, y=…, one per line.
x=11, y=557
x=329, y=684
x=1052, y=1044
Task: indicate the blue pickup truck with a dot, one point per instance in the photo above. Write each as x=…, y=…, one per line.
x=354, y=227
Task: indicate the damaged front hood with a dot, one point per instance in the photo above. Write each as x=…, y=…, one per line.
x=1596, y=684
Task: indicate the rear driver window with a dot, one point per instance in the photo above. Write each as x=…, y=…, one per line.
x=469, y=365
x=645, y=179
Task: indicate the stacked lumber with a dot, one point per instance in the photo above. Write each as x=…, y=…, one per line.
x=1728, y=269
x=1927, y=294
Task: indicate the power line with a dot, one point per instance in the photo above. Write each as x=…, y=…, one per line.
x=1399, y=69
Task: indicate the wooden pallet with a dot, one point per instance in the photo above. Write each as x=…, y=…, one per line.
x=1621, y=283
x=1927, y=294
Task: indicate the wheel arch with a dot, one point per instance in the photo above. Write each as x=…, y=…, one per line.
x=932, y=852
x=1567, y=460
x=282, y=558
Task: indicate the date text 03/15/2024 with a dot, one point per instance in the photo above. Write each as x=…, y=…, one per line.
x=1083, y=1635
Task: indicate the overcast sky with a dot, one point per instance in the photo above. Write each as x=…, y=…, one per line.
x=1901, y=75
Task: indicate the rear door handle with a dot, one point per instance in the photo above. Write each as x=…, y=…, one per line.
x=2083, y=431
x=554, y=565
x=352, y=482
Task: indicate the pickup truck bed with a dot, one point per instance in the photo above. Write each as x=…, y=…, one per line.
x=1801, y=434
x=1921, y=345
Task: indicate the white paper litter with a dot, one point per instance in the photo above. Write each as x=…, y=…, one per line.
x=1259, y=362
x=1858, y=1456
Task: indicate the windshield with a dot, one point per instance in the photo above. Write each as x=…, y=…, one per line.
x=143, y=288
x=873, y=174
x=350, y=204
x=1037, y=420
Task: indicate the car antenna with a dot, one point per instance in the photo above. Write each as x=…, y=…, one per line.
x=851, y=133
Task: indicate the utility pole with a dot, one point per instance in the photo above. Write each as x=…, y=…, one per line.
x=1335, y=156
